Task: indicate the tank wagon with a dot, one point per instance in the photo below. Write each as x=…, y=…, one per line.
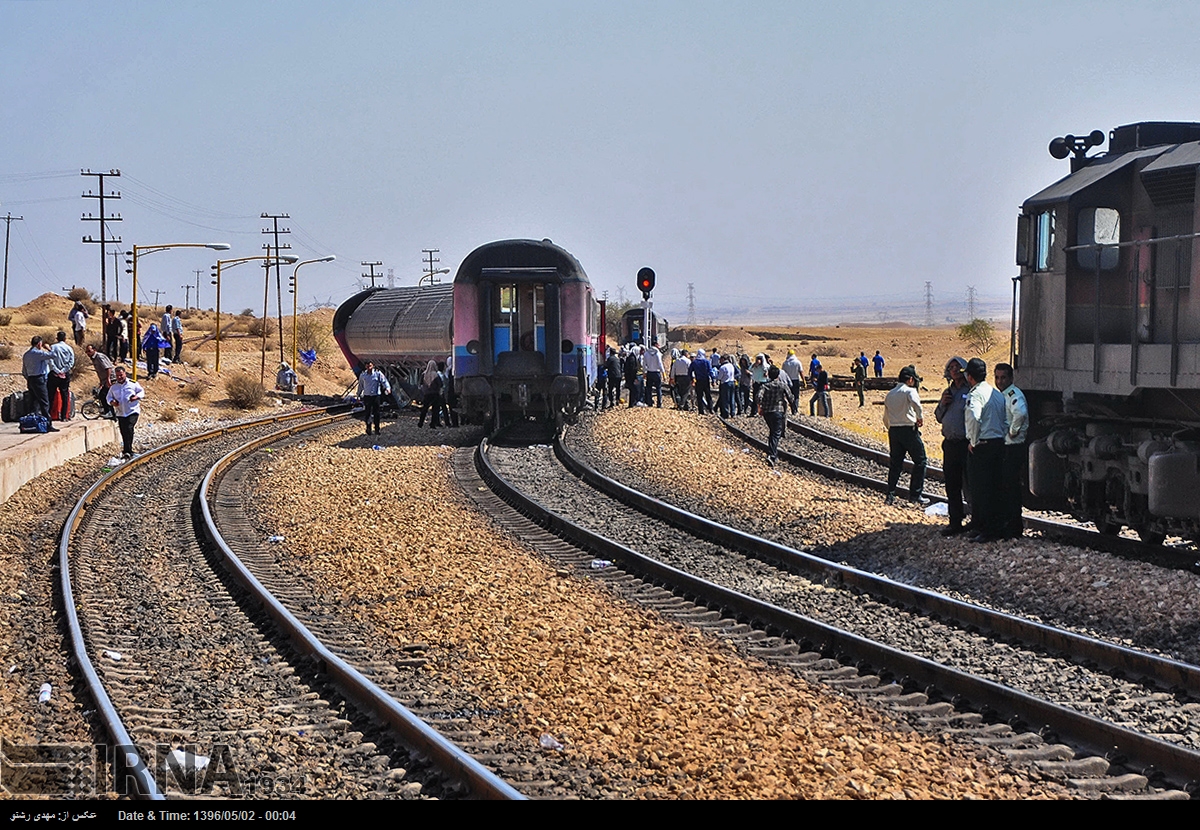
x=399, y=329
x=1109, y=347
x=520, y=326
x=632, y=322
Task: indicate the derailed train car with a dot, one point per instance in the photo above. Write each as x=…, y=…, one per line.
x=527, y=331
x=520, y=324
x=1109, y=345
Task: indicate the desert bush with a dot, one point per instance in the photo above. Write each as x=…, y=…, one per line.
x=829, y=351
x=168, y=415
x=79, y=295
x=247, y=312
x=194, y=391
x=264, y=327
x=305, y=369
x=197, y=361
x=5, y=319
x=83, y=367
x=244, y=391
x=6, y=351
x=311, y=334
x=37, y=319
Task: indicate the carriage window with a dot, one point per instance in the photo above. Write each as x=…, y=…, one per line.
x=519, y=317
x=1044, y=240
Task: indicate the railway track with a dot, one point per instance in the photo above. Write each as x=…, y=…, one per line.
x=843, y=460
x=185, y=663
x=825, y=611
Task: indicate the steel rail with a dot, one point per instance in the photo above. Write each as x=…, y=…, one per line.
x=414, y=731
x=931, y=472
x=1093, y=735
x=143, y=778
x=1159, y=670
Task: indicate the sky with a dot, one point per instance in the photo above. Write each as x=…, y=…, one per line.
x=794, y=155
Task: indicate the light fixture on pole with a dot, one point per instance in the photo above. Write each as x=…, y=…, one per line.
x=140, y=251
x=295, y=295
x=287, y=259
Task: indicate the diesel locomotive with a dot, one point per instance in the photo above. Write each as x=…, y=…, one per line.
x=1108, y=351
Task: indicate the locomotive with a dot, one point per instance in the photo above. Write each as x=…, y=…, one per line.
x=632, y=322
x=1108, y=352
x=520, y=325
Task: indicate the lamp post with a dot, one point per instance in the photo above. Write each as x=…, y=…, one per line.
x=223, y=263
x=429, y=275
x=295, y=295
x=142, y=250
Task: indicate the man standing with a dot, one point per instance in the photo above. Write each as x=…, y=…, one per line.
x=727, y=387
x=984, y=417
x=681, y=381
x=821, y=394
x=125, y=397
x=772, y=406
x=78, y=317
x=878, y=361
x=653, y=363
x=373, y=385
x=62, y=362
x=701, y=372
x=177, y=335
x=165, y=331
x=35, y=365
x=903, y=418
x=950, y=413
x=792, y=369
x=612, y=369
x=859, y=368
x=1016, y=458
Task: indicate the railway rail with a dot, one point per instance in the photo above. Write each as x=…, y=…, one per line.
x=843, y=460
x=184, y=663
x=672, y=547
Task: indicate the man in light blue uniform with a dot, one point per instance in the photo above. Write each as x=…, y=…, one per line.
x=1016, y=456
x=985, y=469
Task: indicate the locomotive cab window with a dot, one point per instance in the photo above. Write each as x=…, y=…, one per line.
x=1043, y=240
x=1099, y=226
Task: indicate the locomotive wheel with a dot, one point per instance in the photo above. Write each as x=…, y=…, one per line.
x=1107, y=525
x=1152, y=537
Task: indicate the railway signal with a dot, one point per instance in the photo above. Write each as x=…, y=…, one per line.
x=645, y=282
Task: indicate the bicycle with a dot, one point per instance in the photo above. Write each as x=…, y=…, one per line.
x=93, y=408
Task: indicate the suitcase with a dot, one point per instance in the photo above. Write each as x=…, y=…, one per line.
x=16, y=406
x=57, y=411
x=34, y=423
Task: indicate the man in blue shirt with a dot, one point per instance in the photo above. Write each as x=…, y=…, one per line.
x=985, y=423
x=878, y=361
x=35, y=366
x=951, y=414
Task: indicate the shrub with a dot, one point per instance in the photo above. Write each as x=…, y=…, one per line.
x=197, y=361
x=79, y=294
x=37, y=319
x=829, y=351
x=83, y=367
x=5, y=319
x=264, y=327
x=311, y=334
x=305, y=369
x=979, y=334
x=194, y=391
x=6, y=351
x=244, y=391
x=247, y=312
x=168, y=415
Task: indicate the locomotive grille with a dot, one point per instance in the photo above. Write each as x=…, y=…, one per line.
x=1174, y=186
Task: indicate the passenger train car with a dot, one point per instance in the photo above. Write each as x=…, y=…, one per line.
x=521, y=326
x=1109, y=347
x=632, y=323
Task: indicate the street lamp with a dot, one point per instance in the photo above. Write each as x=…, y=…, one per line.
x=142, y=250
x=295, y=295
x=222, y=263
x=429, y=275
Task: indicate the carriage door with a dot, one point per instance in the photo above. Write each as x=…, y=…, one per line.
x=518, y=318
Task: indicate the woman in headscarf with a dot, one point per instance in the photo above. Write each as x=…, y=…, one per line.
x=432, y=384
x=152, y=346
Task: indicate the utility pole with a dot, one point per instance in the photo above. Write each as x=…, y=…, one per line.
x=198, y=273
x=274, y=250
x=156, y=295
x=928, y=304
x=391, y=278
x=970, y=303
x=102, y=218
x=8, y=220
x=371, y=275
x=691, y=318
x=430, y=269
x=116, y=255
x=187, y=301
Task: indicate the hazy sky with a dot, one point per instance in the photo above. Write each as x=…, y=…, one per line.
x=761, y=150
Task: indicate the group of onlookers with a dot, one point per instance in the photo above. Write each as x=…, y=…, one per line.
x=984, y=428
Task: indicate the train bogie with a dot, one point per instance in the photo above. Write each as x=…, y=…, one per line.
x=1109, y=344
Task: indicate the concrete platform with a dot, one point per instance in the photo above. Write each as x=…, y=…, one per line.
x=25, y=457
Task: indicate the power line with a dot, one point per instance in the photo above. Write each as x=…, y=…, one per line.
x=102, y=219
x=8, y=220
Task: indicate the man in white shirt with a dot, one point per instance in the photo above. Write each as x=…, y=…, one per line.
x=985, y=421
x=903, y=418
x=1016, y=457
x=125, y=396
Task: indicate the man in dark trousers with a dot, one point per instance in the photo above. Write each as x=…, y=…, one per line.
x=35, y=366
x=950, y=413
x=985, y=467
x=1016, y=453
x=903, y=418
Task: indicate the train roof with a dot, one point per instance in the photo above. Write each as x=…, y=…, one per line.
x=519, y=259
x=1171, y=145
x=403, y=325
